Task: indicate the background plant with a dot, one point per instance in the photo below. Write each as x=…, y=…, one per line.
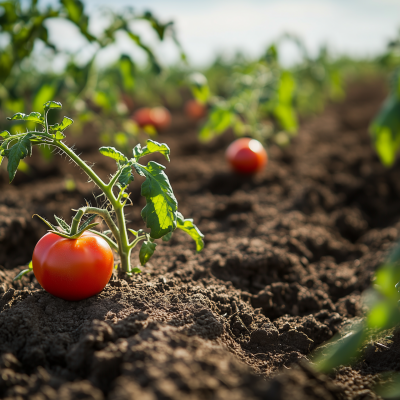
x=385, y=128
x=26, y=78
x=383, y=314
x=262, y=99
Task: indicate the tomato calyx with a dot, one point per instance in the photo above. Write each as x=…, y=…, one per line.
x=70, y=232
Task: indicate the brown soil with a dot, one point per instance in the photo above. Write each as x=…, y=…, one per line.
x=288, y=253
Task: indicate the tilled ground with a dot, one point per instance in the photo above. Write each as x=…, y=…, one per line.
x=288, y=253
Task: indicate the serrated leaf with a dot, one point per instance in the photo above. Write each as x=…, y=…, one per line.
x=167, y=237
x=126, y=176
x=32, y=117
x=22, y=273
x=5, y=134
x=113, y=153
x=137, y=151
x=146, y=251
x=151, y=147
x=81, y=230
x=49, y=224
x=191, y=229
x=57, y=129
x=135, y=233
x=51, y=105
x=159, y=214
x=20, y=150
x=63, y=224
x=85, y=225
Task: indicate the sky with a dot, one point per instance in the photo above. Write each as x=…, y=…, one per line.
x=210, y=27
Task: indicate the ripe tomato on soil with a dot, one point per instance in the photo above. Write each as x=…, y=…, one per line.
x=159, y=117
x=195, y=109
x=73, y=269
x=246, y=155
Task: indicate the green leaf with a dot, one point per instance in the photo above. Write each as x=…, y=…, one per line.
x=83, y=229
x=57, y=129
x=62, y=224
x=46, y=91
x=159, y=214
x=136, y=270
x=22, y=273
x=17, y=152
x=51, y=105
x=32, y=117
x=5, y=134
x=218, y=122
x=113, y=153
x=167, y=237
x=135, y=233
x=341, y=351
x=126, y=176
x=87, y=222
x=199, y=87
x=146, y=251
x=191, y=229
x=284, y=111
x=151, y=147
x=383, y=315
x=49, y=224
x=385, y=130
x=126, y=68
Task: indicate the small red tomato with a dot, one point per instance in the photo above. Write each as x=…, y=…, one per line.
x=159, y=117
x=142, y=116
x=195, y=109
x=246, y=156
x=73, y=269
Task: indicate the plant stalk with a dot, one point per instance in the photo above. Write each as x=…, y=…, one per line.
x=120, y=233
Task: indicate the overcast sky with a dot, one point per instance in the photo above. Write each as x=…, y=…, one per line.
x=209, y=27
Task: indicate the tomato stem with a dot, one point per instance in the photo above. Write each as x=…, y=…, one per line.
x=75, y=222
x=120, y=232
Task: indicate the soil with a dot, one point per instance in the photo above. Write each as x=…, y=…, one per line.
x=288, y=253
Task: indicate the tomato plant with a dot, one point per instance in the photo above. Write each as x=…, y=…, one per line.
x=73, y=269
x=160, y=214
x=246, y=156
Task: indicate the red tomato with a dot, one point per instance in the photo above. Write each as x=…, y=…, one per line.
x=246, y=155
x=73, y=269
x=159, y=117
x=194, y=109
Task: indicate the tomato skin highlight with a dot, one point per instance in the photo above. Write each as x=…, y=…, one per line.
x=246, y=156
x=159, y=117
x=194, y=109
x=73, y=269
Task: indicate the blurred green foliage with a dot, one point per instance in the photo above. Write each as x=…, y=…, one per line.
x=262, y=99
x=84, y=88
x=385, y=128
x=382, y=301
